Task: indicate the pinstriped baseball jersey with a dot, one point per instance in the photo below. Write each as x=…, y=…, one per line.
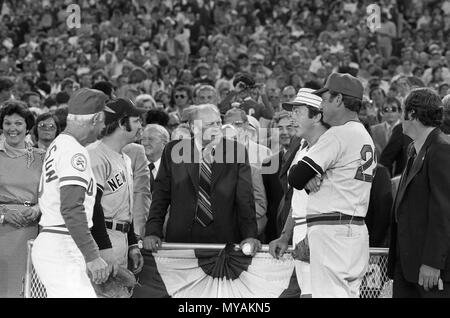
x=113, y=174
x=344, y=155
x=66, y=163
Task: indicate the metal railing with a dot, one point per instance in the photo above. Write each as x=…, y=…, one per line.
x=375, y=284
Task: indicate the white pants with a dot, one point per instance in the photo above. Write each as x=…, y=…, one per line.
x=302, y=269
x=61, y=267
x=339, y=259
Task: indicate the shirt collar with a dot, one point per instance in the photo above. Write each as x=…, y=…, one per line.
x=157, y=163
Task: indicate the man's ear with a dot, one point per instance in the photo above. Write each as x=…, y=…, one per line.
x=338, y=99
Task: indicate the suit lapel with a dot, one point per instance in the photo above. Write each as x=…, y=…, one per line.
x=290, y=154
x=417, y=165
x=192, y=167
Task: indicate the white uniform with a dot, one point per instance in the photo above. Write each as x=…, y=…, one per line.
x=113, y=174
x=344, y=155
x=299, y=203
x=58, y=261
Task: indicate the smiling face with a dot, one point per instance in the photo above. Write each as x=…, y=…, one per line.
x=15, y=129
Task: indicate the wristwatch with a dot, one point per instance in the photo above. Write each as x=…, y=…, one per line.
x=2, y=218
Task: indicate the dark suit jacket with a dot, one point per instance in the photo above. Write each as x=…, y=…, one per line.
x=276, y=186
x=395, y=151
x=422, y=210
x=378, y=217
x=176, y=185
x=274, y=192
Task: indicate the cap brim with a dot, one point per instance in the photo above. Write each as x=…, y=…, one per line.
x=289, y=105
x=319, y=92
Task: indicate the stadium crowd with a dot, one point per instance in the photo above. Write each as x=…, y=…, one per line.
x=245, y=57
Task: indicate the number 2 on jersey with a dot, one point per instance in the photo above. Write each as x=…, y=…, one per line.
x=360, y=175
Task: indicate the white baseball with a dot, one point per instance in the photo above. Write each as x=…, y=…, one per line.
x=247, y=249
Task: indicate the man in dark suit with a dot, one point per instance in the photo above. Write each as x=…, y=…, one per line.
x=275, y=183
x=207, y=182
x=419, y=254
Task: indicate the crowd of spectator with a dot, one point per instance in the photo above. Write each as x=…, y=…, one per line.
x=167, y=55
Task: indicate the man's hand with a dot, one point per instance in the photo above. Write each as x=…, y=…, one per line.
x=428, y=277
x=137, y=261
x=30, y=214
x=278, y=246
x=108, y=256
x=152, y=243
x=255, y=245
x=98, y=270
x=301, y=251
x=314, y=184
x=14, y=217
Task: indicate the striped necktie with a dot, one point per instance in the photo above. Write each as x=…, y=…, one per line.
x=204, y=214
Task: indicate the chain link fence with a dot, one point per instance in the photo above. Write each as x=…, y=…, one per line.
x=375, y=284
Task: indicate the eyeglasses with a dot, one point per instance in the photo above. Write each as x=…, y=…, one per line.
x=47, y=126
x=392, y=109
x=180, y=96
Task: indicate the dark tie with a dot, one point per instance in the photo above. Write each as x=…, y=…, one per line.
x=204, y=214
x=151, y=166
x=411, y=156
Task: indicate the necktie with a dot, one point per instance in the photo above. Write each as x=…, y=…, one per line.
x=204, y=214
x=411, y=156
x=151, y=166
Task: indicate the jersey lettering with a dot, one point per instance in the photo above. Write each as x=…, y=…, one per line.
x=117, y=181
x=50, y=173
x=360, y=175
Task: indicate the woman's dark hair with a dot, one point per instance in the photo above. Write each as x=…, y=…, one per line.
x=43, y=117
x=350, y=102
x=425, y=105
x=157, y=116
x=12, y=107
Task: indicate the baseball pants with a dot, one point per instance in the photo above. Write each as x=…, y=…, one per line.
x=339, y=259
x=61, y=267
x=302, y=269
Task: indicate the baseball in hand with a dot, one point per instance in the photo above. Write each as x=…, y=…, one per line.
x=247, y=249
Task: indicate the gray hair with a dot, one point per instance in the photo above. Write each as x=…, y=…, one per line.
x=446, y=103
x=158, y=130
x=193, y=111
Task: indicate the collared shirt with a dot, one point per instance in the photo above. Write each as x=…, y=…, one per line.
x=389, y=128
x=418, y=143
x=156, y=168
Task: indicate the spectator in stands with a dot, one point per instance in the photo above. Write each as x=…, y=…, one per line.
x=32, y=99
x=6, y=86
x=182, y=97
x=20, y=168
x=205, y=94
x=45, y=130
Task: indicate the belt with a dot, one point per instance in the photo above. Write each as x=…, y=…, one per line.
x=335, y=218
x=26, y=203
x=123, y=227
x=57, y=229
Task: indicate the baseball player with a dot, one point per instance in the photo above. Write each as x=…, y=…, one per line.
x=307, y=114
x=113, y=221
x=64, y=254
x=341, y=165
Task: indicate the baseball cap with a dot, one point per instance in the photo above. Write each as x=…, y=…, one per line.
x=120, y=108
x=235, y=115
x=86, y=101
x=305, y=96
x=345, y=84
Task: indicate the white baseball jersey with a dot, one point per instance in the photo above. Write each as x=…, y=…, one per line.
x=113, y=174
x=299, y=201
x=345, y=155
x=66, y=163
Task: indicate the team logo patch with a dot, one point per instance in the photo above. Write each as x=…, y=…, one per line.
x=79, y=162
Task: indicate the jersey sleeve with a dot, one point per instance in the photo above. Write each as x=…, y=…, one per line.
x=324, y=153
x=73, y=168
x=99, y=168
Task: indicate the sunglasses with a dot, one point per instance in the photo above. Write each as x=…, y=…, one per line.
x=392, y=109
x=47, y=126
x=180, y=96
